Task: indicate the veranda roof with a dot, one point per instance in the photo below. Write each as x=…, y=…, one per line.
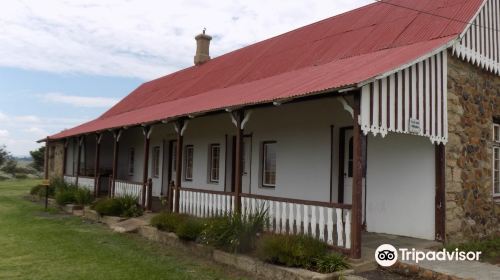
x=342, y=51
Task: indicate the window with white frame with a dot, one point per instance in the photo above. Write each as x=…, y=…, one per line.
x=188, y=163
x=269, y=164
x=156, y=162
x=213, y=163
x=131, y=161
x=496, y=159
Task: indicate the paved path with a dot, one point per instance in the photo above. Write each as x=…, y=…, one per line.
x=462, y=269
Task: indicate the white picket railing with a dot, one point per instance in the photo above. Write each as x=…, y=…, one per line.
x=329, y=222
x=203, y=203
x=68, y=179
x=123, y=188
x=86, y=182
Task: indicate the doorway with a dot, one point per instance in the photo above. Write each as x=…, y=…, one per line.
x=246, y=164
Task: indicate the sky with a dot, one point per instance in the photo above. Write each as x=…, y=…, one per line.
x=65, y=62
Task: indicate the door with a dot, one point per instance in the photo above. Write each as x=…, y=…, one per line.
x=346, y=156
x=246, y=164
x=156, y=161
x=348, y=166
x=172, y=157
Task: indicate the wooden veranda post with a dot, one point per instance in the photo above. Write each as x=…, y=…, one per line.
x=147, y=132
x=116, y=140
x=46, y=161
x=357, y=180
x=179, y=127
x=97, y=174
x=78, y=159
x=440, y=211
x=238, y=117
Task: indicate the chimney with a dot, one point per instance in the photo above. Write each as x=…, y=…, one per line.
x=202, y=48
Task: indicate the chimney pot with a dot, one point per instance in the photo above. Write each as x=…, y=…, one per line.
x=202, y=48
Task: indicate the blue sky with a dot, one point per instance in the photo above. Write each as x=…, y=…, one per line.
x=66, y=62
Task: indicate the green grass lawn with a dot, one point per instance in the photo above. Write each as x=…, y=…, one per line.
x=38, y=245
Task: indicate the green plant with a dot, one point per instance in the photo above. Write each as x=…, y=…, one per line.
x=83, y=196
x=58, y=184
x=235, y=232
x=290, y=250
x=132, y=211
x=64, y=197
x=40, y=190
x=331, y=262
x=489, y=248
x=190, y=229
x=21, y=176
x=125, y=206
x=108, y=206
x=167, y=221
x=36, y=189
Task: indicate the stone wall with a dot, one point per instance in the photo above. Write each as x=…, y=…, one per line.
x=473, y=102
x=56, y=154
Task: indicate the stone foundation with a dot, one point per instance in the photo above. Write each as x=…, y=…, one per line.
x=473, y=102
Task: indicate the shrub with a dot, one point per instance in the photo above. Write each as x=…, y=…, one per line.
x=291, y=250
x=489, y=247
x=108, y=206
x=132, y=211
x=64, y=197
x=58, y=184
x=167, y=221
x=331, y=262
x=125, y=206
x=190, y=229
x=36, y=189
x=235, y=232
x=83, y=196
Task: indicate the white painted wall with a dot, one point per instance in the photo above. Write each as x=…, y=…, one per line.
x=401, y=185
x=400, y=175
x=200, y=133
x=302, y=133
x=131, y=138
x=160, y=136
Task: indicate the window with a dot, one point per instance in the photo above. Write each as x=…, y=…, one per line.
x=131, y=160
x=188, y=163
x=496, y=159
x=269, y=164
x=214, y=159
x=156, y=162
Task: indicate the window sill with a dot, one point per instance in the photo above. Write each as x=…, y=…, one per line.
x=267, y=187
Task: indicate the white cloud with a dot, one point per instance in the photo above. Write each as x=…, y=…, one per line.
x=37, y=131
x=20, y=132
x=139, y=38
x=80, y=101
x=4, y=133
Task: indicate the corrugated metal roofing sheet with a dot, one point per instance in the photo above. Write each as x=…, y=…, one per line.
x=336, y=52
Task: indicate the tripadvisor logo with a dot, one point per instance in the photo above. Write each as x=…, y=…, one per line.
x=387, y=255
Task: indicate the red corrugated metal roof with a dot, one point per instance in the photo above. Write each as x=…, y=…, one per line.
x=336, y=52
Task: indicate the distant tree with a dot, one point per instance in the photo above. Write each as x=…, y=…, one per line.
x=4, y=155
x=38, y=158
x=10, y=166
